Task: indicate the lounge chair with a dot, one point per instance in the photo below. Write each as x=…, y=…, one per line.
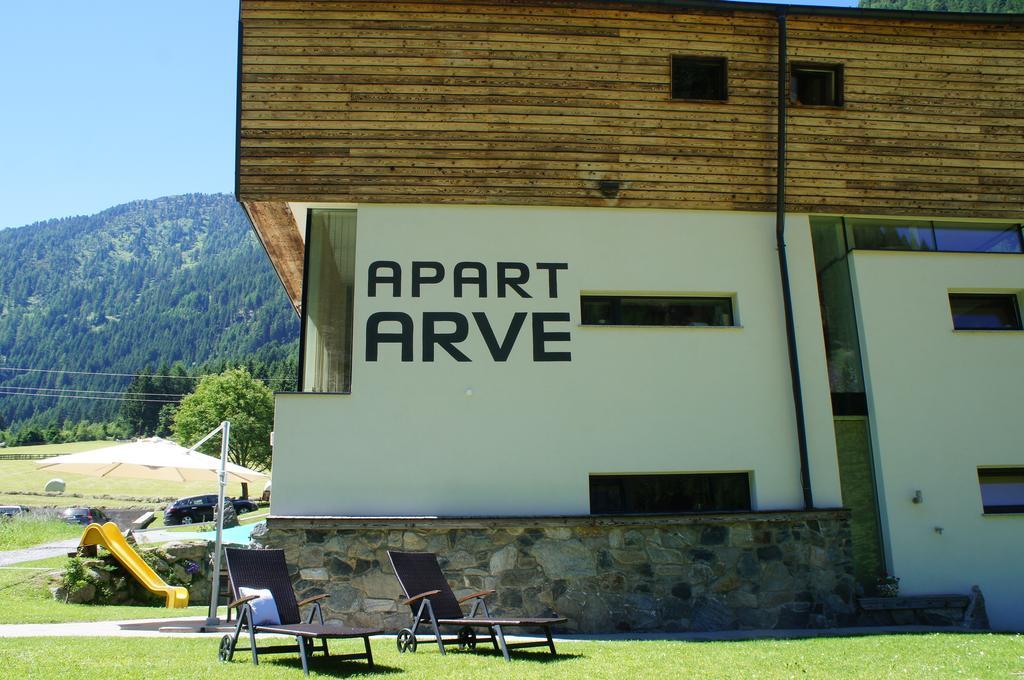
x=432, y=602
x=267, y=570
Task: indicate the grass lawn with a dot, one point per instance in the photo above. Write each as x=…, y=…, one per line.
x=25, y=598
x=24, y=530
x=23, y=475
x=905, y=656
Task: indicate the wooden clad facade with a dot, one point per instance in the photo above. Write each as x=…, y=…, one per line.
x=537, y=102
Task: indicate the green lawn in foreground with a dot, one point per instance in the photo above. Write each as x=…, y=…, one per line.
x=905, y=656
x=25, y=598
x=25, y=530
x=23, y=475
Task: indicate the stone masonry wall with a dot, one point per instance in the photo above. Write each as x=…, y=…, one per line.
x=606, y=574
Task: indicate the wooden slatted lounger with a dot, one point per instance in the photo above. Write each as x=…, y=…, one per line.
x=432, y=602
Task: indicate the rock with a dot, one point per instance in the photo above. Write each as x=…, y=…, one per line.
x=564, y=559
x=230, y=516
x=413, y=541
x=83, y=595
x=314, y=575
x=377, y=605
x=710, y=614
x=504, y=560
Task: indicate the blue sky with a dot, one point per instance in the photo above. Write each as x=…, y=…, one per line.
x=106, y=102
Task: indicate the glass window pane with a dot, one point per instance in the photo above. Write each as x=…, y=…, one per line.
x=670, y=493
x=817, y=84
x=327, y=348
x=839, y=320
x=699, y=78
x=984, y=312
x=873, y=234
x=978, y=238
x=656, y=311
x=1002, y=489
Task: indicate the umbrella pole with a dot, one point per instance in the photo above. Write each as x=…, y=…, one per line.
x=211, y=619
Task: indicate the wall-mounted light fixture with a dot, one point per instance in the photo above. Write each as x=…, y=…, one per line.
x=918, y=498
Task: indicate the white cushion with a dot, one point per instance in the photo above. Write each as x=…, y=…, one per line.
x=264, y=609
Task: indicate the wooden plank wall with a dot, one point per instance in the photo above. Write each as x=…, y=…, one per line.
x=479, y=101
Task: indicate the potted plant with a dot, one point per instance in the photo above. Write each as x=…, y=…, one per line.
x=887, y=586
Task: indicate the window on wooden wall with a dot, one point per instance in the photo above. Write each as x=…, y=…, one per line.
x=631, y=310
x=669, y=493
x=1002, y=490
x=985, y=311
x=700, y=78
x=816, y=84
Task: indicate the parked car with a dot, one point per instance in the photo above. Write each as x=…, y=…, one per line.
x=84, y=516
x=200, y=509
x=7, y=511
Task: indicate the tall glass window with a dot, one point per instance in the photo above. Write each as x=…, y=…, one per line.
x=328, y=300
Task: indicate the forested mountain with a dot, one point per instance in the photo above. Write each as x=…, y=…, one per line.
x=176, y=279
x=978, y=6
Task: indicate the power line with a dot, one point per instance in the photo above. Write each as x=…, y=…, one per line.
x=127, y=375
x=82, y=396
x=116, y=393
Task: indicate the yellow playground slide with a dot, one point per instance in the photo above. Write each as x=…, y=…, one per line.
x=109, y=536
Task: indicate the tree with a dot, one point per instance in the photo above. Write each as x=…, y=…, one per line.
x=977, y=6
x=237, y=397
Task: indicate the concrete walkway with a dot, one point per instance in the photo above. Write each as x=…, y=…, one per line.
x=188, y=627
x=38, y=552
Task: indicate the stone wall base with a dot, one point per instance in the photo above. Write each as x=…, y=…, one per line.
x=606, y=574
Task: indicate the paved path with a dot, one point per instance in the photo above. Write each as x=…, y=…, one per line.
x=37, y=552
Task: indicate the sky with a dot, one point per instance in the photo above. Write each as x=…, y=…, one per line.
x=110, y=101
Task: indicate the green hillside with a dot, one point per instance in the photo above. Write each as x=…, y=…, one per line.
x=176, y=279
x=977, y=6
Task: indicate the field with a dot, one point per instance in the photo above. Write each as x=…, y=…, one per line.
x=892, y=656
x=23, y=476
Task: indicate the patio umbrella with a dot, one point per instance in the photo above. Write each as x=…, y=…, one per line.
x=152, y=458
x=156, y=458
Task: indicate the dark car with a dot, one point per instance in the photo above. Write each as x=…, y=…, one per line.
x=84, y=516
x=200, y=509
x=7, y=511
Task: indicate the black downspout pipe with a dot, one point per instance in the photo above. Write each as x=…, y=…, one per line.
x=787, y=295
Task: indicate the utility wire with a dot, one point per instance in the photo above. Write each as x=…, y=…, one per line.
x=118, y=393
x=83, y=396
x=127, y=375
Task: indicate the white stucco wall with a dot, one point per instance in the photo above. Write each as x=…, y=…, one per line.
x=943, y=403
x=521, y=437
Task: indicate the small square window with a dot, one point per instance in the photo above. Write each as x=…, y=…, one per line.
x=700, y=78
x=985, y=312
x=816, y=84
x=1002, y=490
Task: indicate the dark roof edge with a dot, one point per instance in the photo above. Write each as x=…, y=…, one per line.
x=816, y=10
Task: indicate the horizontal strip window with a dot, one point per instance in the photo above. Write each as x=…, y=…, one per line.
x=628, y=310
x=926, y=235
x=985, y=311
x=669, y=493
x=1002, y=490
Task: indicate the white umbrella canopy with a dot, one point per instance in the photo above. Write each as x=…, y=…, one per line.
x=152, y=458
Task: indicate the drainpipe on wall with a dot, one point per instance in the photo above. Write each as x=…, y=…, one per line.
x=787, y=296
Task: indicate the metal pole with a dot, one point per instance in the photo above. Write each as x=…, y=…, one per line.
x=211, y=619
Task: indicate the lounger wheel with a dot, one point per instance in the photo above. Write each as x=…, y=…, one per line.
x=406, y=641
x=467, y=638
x=225, y=648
